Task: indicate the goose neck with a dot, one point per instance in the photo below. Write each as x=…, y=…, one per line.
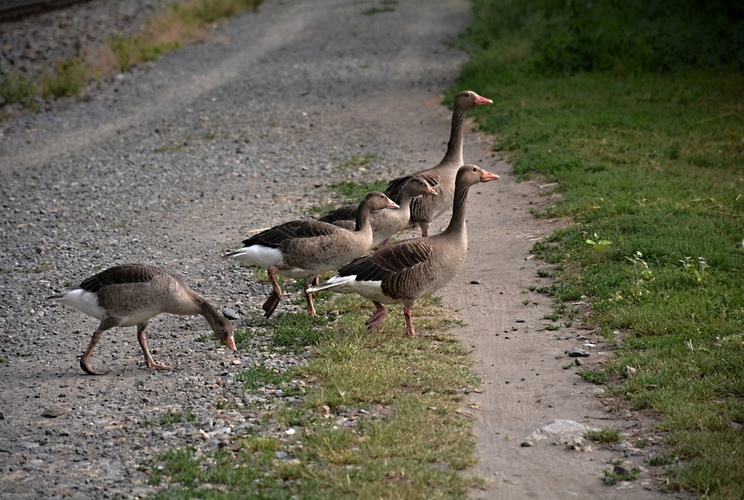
x=454, y=146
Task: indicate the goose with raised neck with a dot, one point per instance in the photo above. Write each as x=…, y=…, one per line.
x=411, y=269
x=441, y=176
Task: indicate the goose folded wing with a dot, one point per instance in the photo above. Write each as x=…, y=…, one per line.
x=275, y=236
x=347, y=212
x=119, y=275
x=394, y=188
x=389, y=260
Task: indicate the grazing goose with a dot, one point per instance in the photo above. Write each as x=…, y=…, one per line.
x=306, y=248
x=132, y=294
x=442, y=176
x=385, y=223
x=405, y=271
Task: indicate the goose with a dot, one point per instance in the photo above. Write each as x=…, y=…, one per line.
x=306, y=248
x=385, y=223
x=131, y=295
x=441, y=176
x=408, y=270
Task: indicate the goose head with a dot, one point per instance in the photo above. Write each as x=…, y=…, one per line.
x=378, y=201
x=468, y=99
x=472, y=174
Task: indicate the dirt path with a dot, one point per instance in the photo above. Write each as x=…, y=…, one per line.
x=175, y=162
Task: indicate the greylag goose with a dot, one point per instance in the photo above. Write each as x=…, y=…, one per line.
x=131, y=295
x=441, y=176
x=385, y=223
x=307, y=248
x=408, y=270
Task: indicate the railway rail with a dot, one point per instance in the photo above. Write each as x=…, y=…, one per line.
x=14, y=9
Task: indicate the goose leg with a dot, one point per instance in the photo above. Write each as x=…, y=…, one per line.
x=106, y=323
x=85, y=358
x=377, y=317
x=149, y=362
x=410, y=331
x=275, y=296
x=309, y=297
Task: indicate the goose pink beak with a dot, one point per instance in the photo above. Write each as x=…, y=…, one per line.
x=482, y=100
x=488, y=176
x=230, y=343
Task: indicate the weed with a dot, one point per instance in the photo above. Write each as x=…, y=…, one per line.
x=593, y=376
x=170, y=418
x=605, y=436
x=260, y=376
x=68, y=79
x=618, y=473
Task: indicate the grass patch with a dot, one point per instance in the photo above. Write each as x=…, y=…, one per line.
x=643, y=137
x=381, y=416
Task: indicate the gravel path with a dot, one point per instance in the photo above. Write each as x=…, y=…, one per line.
x=172, y=164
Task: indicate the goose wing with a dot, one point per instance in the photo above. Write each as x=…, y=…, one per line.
x=275, y=236
x=119, y=275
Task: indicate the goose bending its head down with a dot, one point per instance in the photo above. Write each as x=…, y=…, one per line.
x=131, y=295
x=306, y=248
x=385, y=223
x=408, y=270
x=441, y=176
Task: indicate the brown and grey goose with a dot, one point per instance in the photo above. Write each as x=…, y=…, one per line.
x=408, y=270
x=306, y=248
x=441, y=176
x=131, y=295
x=385, y=223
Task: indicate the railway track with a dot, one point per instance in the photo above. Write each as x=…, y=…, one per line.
x=14, y=9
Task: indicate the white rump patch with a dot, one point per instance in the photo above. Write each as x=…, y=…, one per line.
x=84, y=301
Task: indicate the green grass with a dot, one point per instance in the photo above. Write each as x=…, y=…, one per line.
x=408, y=437
x=643, y=137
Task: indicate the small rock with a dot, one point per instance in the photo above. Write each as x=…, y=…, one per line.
x=577, y=353
x=475, y=282
x=526, y=444
x=629, y=371
x=54, y=412
x=230, y=313
x=620, y=470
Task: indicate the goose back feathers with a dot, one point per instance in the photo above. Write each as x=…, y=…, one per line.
x=131, y=295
